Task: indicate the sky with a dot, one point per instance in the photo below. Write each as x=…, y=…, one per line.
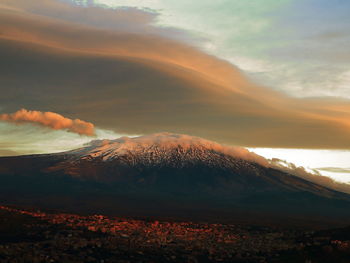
x=270, y=75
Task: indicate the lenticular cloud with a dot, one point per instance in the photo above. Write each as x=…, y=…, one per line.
x=51, y=120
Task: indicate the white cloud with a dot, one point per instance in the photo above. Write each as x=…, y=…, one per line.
x=312, y=159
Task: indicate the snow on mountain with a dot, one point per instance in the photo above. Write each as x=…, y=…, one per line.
x=170, y=170
x=179, y=149
x=162, y=145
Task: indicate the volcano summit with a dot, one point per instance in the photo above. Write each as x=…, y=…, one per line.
x=165, y=174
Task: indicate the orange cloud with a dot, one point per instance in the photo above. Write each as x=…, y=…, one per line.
x=141, y=81
x=50, y=119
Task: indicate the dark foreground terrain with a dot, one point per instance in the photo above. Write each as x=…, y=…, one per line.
x=35, y=236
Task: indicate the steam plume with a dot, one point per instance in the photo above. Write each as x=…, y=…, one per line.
x=50, y=119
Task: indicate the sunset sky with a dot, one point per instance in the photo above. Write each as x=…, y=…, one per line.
x=270, y=75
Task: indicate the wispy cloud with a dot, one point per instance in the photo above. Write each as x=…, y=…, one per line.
x=312, y=176
x=334, y=169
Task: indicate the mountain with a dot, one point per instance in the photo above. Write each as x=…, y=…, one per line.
x=169, y=175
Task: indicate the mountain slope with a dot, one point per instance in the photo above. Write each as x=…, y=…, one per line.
x=164, y=172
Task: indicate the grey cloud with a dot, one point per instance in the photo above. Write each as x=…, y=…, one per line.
x=122, y=19
x=8, y=153
x=334, y=169
x=144, y=83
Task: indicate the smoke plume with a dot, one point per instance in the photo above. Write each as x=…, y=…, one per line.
x=51, y=120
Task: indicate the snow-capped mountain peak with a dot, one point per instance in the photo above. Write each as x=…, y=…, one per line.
x=162, y=144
